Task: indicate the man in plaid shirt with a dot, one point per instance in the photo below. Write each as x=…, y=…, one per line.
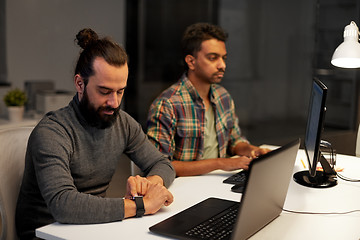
x=195, y=118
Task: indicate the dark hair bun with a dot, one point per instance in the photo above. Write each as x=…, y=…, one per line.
x=85, y=37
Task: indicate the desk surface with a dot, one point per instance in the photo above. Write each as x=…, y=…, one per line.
x=190, y=190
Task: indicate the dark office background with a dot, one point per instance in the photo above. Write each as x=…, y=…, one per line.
x=275, y=49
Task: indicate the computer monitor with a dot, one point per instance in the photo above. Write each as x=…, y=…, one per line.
x=312, y=142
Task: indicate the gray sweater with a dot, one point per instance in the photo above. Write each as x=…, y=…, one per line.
x=70, y=164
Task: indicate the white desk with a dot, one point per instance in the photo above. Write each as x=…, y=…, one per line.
x=190, y=190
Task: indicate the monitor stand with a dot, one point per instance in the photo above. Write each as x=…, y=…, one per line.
x=322, y=179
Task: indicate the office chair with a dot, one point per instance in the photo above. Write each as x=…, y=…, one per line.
x=357, y=147
x=13, y=144
x=135, y=170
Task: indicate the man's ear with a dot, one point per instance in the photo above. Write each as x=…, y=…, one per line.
x=190, y=61
x=79, y=84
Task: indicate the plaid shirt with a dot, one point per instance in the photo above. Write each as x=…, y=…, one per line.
x=176, y=121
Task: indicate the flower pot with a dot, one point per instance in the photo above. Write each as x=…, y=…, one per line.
x=15, y=113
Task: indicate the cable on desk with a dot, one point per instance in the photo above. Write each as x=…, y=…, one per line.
x=321, y=213
x=326, y=144
x=347, y=179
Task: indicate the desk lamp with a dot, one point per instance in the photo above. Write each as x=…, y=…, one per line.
x=347, y=54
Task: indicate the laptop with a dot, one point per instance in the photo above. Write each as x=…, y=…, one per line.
x=261, y=202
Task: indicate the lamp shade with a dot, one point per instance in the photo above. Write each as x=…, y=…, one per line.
x=347, y=54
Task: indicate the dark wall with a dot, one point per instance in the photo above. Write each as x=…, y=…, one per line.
x=3, y=68
x=153, y=42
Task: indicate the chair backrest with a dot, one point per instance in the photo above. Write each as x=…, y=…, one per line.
x=13, y=144
x=135, y=170
x=357, y=147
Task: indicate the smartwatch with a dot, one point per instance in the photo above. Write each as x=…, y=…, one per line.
x=140, y=209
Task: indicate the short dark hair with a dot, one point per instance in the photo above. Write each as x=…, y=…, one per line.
x=196, y=33
x=93, y=47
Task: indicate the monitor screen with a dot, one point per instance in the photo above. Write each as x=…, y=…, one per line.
x=315, y=124
x=312, y=141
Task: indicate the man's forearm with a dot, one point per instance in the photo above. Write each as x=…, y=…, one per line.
x=194, y=168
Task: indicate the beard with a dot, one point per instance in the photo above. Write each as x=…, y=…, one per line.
x=93, y=115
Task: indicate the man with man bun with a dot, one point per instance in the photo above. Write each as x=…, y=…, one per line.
x=73, y=152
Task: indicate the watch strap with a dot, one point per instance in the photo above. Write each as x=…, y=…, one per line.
x=140, y=209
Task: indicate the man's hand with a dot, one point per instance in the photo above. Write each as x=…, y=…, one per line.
x=155, y=195
x=136, y=186
x=234, y=163
x=251, y=151
x=256, y=152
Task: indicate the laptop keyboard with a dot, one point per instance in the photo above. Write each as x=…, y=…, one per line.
x=218, y=227
x=237, y=178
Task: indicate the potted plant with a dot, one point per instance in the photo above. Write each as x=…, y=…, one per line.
x=15, y=100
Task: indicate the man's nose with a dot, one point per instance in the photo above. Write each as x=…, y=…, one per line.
x=113, y=100
x=221, y=64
